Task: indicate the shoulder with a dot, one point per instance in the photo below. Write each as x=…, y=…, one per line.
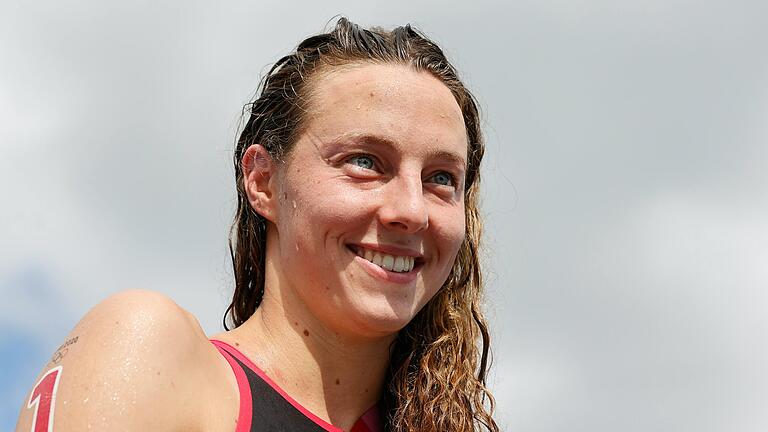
x=137, y=325
x=128, y=365
x=134, y=313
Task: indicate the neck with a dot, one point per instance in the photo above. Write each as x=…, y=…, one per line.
x=337, y=377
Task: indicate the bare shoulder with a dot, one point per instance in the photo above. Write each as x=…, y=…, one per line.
x=127, y=365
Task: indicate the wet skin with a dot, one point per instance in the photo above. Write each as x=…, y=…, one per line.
x=380, y=165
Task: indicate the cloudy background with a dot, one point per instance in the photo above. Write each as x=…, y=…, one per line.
x=626, y=189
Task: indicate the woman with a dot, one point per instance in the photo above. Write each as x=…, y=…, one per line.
x=357, y=295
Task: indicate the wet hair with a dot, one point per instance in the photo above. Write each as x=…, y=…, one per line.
x=439, y=361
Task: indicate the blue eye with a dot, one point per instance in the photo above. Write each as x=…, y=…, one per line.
x=444, y=179
x=362, y=161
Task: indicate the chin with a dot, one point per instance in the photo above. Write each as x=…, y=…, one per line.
x=384, y=320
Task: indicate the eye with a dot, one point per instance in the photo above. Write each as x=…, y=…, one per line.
x=444, y=179
x=362, y=161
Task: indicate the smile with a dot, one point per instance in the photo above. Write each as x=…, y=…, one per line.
x=393, y=263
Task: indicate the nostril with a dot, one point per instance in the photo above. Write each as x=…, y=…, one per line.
x=399, y=225
x=409, y=226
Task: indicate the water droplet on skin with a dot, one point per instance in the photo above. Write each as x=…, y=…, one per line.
x=294, y=204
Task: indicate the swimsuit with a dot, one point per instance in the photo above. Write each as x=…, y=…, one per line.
x=266, y=407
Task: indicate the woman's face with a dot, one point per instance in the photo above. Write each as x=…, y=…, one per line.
x=370, y=213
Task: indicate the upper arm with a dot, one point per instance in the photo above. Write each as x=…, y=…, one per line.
x=121, y=368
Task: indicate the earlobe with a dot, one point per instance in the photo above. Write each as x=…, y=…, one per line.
x=258, y=171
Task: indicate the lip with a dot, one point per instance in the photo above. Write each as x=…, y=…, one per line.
x=390, y=250
x=384, y=274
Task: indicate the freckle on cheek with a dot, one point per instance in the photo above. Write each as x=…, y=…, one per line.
x=306, y=332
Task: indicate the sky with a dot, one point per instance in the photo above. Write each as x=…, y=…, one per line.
x=625, y=187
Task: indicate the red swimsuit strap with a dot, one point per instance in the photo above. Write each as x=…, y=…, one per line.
x=244, y=415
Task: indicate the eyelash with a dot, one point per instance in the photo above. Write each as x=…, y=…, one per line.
x=451, y=178
x=374, y=164
x=359, y=156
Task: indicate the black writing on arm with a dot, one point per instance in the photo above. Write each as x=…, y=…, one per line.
x=62, y=350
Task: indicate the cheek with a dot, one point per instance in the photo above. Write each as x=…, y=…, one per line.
x=453, y=230
x=319, y=211
x=449, y=232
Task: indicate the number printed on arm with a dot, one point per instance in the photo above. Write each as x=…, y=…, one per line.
x=43, y=399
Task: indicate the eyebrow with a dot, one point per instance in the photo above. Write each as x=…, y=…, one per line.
x=378, y=140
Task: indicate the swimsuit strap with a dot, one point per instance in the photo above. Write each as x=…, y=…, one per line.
x=252, y=383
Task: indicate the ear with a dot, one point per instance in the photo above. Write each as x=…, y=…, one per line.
x=259, y=175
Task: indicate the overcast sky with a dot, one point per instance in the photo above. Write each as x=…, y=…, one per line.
x=625, y=187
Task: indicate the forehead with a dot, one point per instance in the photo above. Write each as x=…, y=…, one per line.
x=394, y=102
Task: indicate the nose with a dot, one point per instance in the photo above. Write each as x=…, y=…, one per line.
x=403, y=207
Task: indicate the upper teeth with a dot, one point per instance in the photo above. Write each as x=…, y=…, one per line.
x=394, y=263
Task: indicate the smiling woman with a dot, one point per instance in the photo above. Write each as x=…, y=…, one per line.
x=342, y=199
x=358, y=287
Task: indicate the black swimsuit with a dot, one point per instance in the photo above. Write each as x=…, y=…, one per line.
x=264, y=406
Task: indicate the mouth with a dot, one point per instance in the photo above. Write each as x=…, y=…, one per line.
x=389, y=262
